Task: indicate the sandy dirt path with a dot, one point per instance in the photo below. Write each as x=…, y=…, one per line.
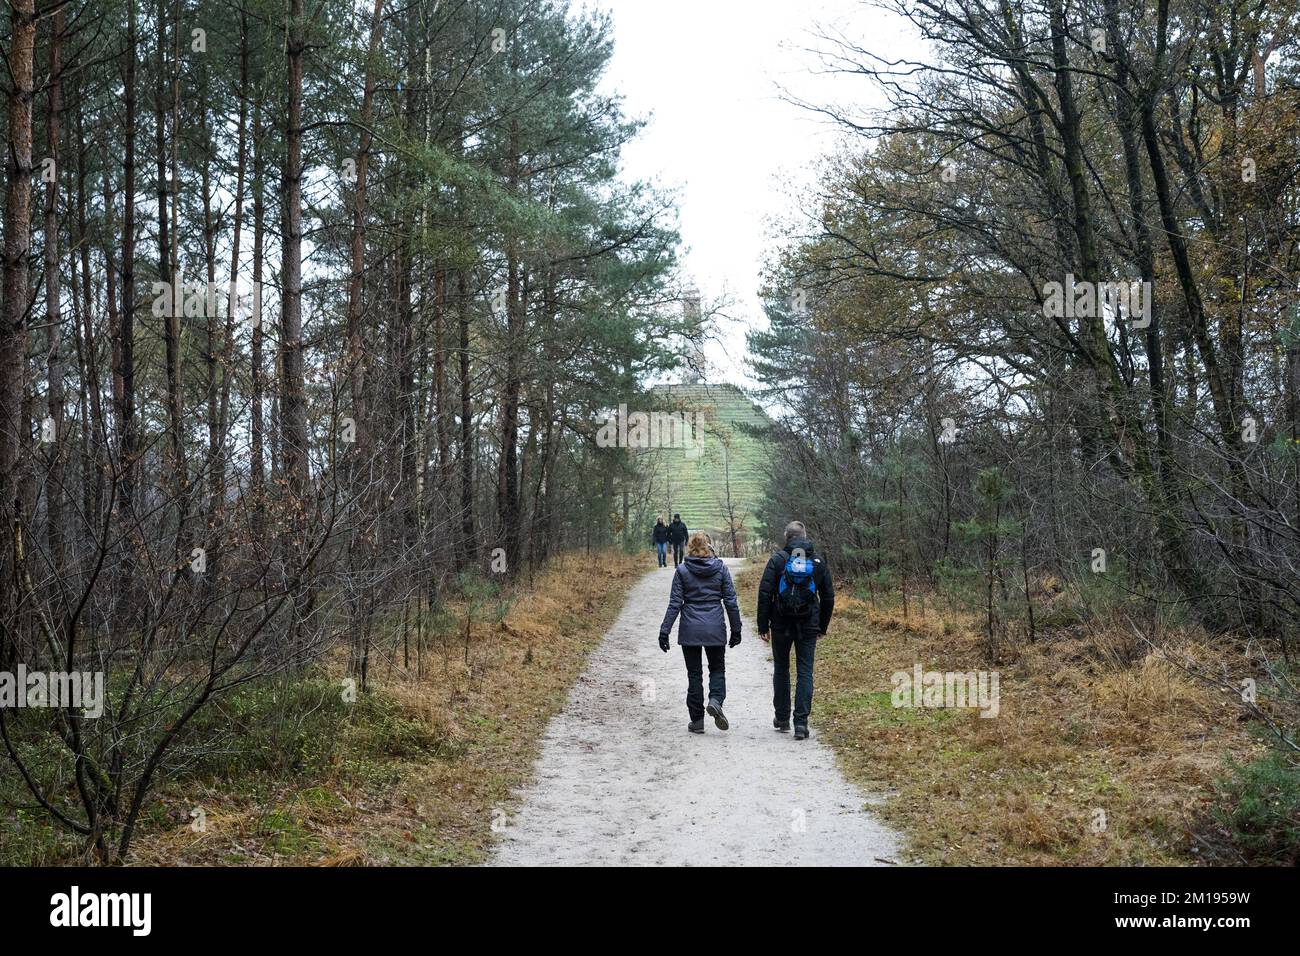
x=620, y=781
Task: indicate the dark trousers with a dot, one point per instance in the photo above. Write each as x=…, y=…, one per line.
x=804, y=642
x=679, y=552
x=717, y=655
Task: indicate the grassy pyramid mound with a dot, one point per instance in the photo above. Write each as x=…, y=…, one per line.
x=719, y=485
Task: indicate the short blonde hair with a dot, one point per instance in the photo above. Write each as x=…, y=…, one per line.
x=701, y=545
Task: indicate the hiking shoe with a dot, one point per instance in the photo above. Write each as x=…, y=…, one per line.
x=782, y=725
x=715, y=711
x=800, y=731
x=696, y=726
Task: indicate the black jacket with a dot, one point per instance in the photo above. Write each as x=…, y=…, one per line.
x=701, y=587
x=661, y=534
x=677, y=532
x=819, y=617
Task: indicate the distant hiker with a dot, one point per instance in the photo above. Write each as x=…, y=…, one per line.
x=661, y=541
x=795, y=599
x=701, y=587
x=678, y=534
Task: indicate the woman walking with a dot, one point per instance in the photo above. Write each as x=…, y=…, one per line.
x=702, y=586
x=661, y=542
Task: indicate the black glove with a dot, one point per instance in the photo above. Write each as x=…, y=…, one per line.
x=735, y=638
x=663, y=643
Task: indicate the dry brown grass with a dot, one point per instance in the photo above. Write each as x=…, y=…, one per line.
x=1078, y=732
x=478, y=727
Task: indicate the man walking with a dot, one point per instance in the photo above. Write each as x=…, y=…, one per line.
x=795, y=602
x=678, y=534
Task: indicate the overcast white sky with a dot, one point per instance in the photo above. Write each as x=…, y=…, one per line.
x=707, y=74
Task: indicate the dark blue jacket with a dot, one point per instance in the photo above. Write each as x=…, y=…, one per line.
x=819, y=615
x=701, y=586
x=661, y=534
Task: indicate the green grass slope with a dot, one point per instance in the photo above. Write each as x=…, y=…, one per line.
x=696, y=485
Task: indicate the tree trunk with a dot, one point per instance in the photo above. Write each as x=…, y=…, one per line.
x=13, y=312
x=237, y=227
x=167, y=276
x=469, y=544
x=257, y=467
x=96, y=436
x=354, y=360
x=508, y=463
x=213, y=321
x=293, y=412
x=293, y=408
x=55, y=487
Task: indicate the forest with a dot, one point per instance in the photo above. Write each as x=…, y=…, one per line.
x=1062, y=262
x=308, y=315
x=312, y=315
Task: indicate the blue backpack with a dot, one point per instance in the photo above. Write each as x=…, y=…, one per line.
x=797, y=591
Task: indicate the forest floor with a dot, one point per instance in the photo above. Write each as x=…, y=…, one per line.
x=559, y=736
x=1098, y=756
x=418, y=771
x=621, y=781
